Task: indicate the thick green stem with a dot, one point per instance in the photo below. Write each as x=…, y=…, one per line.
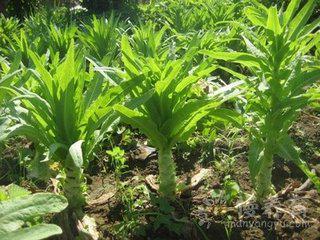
x=167, y=174
x=264, y=187
x=73, y=188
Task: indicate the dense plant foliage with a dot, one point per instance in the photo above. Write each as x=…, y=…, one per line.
x=172, y=74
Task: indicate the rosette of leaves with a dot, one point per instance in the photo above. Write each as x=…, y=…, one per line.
x=278, y=56
x=168, y=114
x=65, y=115
x=100, y=37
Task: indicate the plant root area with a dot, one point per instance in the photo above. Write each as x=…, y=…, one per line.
x=130, y=208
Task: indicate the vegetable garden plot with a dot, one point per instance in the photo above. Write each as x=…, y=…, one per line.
x=181, y=120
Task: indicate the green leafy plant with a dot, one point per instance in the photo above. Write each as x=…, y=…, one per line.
x=19, y=210
x=59, y=39
x=227, y=155
x=43, y=38
x=219, y=12
x=278, y=58
x=118, y=161
x=230, y=191
x=163, y=217
x=133, y=199
x=148, y=41
x=8, y=26
x=65, y=116
x=168, y=114
x=23, y=43
x=100, y=38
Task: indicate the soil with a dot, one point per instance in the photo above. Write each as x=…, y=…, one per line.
x=290, y=214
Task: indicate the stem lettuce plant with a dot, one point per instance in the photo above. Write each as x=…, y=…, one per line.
x=169, y=114
x=278, y=59
x=65, y=115
x=100, y=38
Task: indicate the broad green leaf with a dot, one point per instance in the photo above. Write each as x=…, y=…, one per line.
x=181, y=118
x=273, y=21
x=227, y=115
x=128, y=56
x=15, y=191
x=137, y=120
x=257, y=16
x=68, y=109
x=76, y=154
x=52, y=150
x=4, y=125
x=14, y=212
x=24, y=130
x=186, y=82
x=37, y=232
x=66, y=71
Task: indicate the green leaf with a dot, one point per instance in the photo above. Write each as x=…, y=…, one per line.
x=4, y=125
x=291, y=10
x=14, y=212
x=234, y=73
x=15, y=191
x=45, y=75
x=136, y=119
x=257, y=16
x=288, y=151
x=76, y=154
x=273, y=21
x=245, y=59
x=53, y=148
x=227, y=115
x=66, y=71
x=28, y=131
x=128, y=57
x=301, y=19
x=136, y=102
x=309, y=28
x=7, y=79
x=253, y=49
x=188, y=81
x=255, y=158
x=38, y=232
